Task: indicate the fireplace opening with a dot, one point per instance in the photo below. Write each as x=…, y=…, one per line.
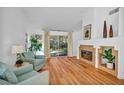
x=88, y=55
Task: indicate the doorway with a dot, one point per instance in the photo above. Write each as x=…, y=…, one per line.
x=58, y=45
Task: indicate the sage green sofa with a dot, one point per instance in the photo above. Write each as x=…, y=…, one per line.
x=24, y=75
x=38, y=61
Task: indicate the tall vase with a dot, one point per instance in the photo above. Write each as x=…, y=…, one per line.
x=110, y=31
x=104, y=30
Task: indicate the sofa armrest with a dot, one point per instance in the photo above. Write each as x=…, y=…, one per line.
x=39, y=79
x=31, y=61
x=23, y=69
x=3, y=82
x=39, y=56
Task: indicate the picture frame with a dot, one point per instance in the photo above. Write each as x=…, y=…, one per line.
x=87, y=32
x=38, y=36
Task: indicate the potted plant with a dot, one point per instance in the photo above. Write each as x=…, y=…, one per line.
x=108, y=55
x=35, y=44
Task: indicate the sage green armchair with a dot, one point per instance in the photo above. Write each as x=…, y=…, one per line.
x=38, y=61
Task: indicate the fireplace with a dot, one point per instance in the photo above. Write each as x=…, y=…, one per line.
x=87, y=54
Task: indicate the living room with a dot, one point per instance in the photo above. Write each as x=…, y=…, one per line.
x=84, y=37
x=61, y=42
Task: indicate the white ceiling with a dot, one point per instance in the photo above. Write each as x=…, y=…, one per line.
x=56, y=18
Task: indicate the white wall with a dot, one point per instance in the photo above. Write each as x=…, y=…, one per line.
x=58, y=33
x=121, y=35
x=121, y=22
x=96, y=17
x=1, y=34
x=13, y=28
x=88, y=18
x=77, y=35
x=101, y=14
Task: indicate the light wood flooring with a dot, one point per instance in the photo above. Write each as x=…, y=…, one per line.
x=70, y=71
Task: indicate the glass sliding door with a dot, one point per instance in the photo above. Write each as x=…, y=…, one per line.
x=54, y=45
x=58, y=45
x=62, y=45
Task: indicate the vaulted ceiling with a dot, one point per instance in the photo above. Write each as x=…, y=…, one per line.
x=56, y=18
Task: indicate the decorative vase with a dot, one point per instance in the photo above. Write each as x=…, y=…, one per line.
x=104, y=30
x=110, y=65
x=110, y=31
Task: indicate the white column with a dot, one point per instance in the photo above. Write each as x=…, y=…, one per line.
x=70, y=44
x=121, y=61
x=46, y=44
x=121, y=48
x=96, y=58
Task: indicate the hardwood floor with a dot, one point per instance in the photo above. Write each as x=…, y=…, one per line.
x=70, y=71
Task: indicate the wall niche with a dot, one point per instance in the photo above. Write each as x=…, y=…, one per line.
x=103, y=62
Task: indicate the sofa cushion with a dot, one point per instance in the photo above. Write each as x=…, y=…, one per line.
x=24, y=69
x=29, y=55
x=7, y=74
x=27, y=76
x=3, y=82
x=10, y=76
x=3, y=68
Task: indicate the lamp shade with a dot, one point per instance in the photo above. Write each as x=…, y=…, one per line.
x=17, y=49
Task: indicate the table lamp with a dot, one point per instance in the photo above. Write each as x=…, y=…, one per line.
x=17, y=49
